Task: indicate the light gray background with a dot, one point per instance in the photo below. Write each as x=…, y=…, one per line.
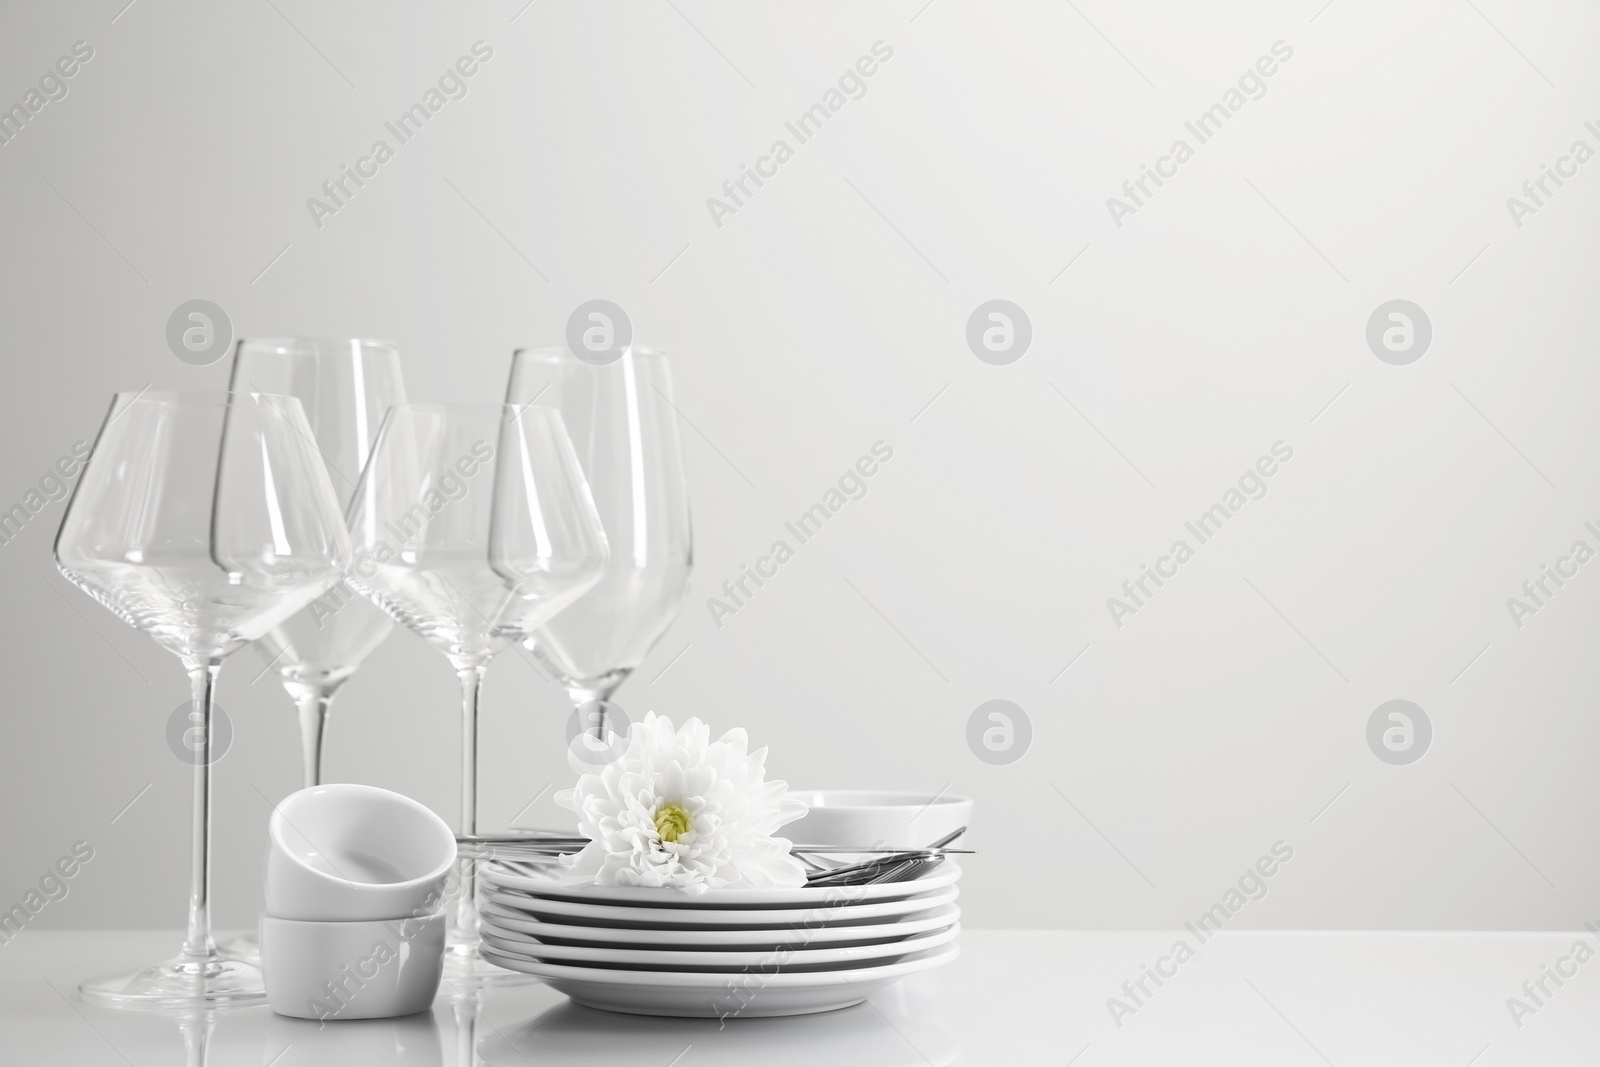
x=1229, y=313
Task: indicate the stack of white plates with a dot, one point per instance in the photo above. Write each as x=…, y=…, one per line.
x=740, y=953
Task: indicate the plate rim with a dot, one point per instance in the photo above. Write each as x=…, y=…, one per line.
x=715, y=918
x=922, y=942
x=945, y=915
x=497, y=875
x=608, y=977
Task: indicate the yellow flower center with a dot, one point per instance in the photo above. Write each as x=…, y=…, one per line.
x=672, y=822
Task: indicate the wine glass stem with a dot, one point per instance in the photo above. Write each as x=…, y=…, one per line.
x=312, y=702
x=203, y=681
x=597, y=723
x=467, y=903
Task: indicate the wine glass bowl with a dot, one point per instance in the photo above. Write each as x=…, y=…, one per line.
x=473, y=525
x=203, y=519
x=624, y=428
x=182, y=528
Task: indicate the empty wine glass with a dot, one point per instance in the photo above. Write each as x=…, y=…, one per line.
x=203, y=519
x=625, y=430
x=472, y=525
x=345, y=387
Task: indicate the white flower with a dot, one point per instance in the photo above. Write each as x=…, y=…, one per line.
x=679, y=809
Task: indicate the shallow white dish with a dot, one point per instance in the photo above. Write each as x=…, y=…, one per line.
x=877, y=818
x=617, y=915
x=501, y=877
x=725, y=960
x=697, y=994
x=750, y=939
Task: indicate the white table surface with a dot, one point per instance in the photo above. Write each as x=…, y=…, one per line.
x=1014, y=997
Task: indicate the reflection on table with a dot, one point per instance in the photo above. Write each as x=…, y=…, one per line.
x=467, y=1027
x=868, y=1035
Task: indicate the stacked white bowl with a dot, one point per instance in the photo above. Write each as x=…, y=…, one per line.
x=356, y=882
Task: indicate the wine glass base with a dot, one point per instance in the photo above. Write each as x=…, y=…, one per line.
x=183, y=982
x=465, y=966
x=245, y=947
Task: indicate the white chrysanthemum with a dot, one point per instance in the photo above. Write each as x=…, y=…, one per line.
x=679, y=809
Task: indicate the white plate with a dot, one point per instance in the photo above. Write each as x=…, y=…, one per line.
x=616, y=915
x=696, y=994
x=502, y=877
x=748, y=939
x=724, y=960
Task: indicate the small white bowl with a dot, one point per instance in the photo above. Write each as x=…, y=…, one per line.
x=349, y=853
x=352, y=970
x=877, y=818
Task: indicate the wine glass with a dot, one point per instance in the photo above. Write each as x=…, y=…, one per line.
x=625, y=430
x=203, y=519
x=345, y=387
x=472, y=525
